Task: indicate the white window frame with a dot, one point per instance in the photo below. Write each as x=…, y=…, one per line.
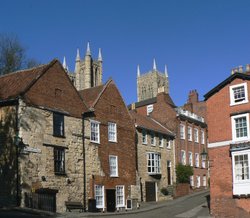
x=112, y=167
x=95, y=138
x=197, y=160
x=153, y=163
x=203, y=162
x=204, y=182
x=202, y=137
x=120, y=196
x=182, y=131
x=191, y=178
x=150, y=109
x=112, y=132
x=190, y=158
x=152, y=138
x=183, y=157
x=198, y=181
x=232, y=99
x=189, y=135
x=169, y=142
x=241, y=187
x=196, y=135
x=144, y=137
x=161, y=140
x=101, y=196
x=233, y=118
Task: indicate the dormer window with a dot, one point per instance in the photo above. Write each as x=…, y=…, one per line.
x=150, y=108
x=238, y=94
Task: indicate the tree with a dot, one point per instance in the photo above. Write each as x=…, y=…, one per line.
x=12, y=55
x=183, y=173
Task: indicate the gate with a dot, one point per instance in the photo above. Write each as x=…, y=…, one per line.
x=42, y=199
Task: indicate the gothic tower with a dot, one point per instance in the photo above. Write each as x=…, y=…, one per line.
x=149, y=83
x=88, y=72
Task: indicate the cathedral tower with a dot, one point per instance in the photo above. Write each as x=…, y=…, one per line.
x=149, y=83
x=88, y=72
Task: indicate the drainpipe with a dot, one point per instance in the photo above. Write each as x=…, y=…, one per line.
x=18, y=199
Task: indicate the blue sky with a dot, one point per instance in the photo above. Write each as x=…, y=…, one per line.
x=200, y=41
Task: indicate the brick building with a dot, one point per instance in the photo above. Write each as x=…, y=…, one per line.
x=229, y=149
x=110, y=148
x=190, y=130
x=155, y=158
x=41, y=134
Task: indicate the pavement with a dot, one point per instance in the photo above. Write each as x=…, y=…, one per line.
x=144, y=207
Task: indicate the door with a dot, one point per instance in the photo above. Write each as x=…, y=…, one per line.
x=110, y=195
x=169, y=172
x=150, y=191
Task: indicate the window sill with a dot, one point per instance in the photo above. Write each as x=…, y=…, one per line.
x=238, y=103
x=112, y=141
x=114, y=176
x=94, y=142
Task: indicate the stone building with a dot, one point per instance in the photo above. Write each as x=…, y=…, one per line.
x=149, y=83
x=41, y=139
x=110, y=149
x=229, y=145
x=88, y=72
x=155, y=158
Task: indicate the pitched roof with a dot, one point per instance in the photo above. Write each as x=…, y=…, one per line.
x=47, y=86
x=15, y=84
x=217, y=88
x=146, y=122
x=92, y=95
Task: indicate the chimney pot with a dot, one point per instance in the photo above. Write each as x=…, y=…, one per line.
x=240, y=69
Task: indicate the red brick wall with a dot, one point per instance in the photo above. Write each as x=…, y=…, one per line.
x=111, y=108
x=219, y=129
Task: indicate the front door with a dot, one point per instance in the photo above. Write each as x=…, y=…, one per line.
x=150, y=191
x=110, y=194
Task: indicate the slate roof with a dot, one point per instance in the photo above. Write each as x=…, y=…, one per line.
x=146, y=122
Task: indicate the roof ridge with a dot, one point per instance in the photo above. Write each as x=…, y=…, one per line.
x=162, y=125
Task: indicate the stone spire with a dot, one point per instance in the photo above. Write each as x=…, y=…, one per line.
x=100, y=55
x=166, y=71
x=88, y=50
x=138, y=71
x=64, y=63
x=78, y=55
x=154, y=65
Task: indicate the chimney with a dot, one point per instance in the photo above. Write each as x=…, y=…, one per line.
x=247, y=67
x=193, y=96
x=240, y=69
x=133, y=106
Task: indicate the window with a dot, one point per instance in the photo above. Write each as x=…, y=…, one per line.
x=154, y=163
x=189, y=133
x=183, y=157
x=113, y=166
x=240, y=127
x=241, y=180
x=58, y=124
x=196, y=135
x=120, y=196
x=99, y=196
x=150, y=108
x=190, y=158
x=198, y=181
x=169, y=143
x=144, y=137
x=202, y=137
x=238, y=94
x=161, y=140
x=59, y=160
x=95, y=132
x=197, y=161
x=112, y=132
x=152, y=138
x=191, y=180
x=204, y=181
x=203, y=162
x=182, y=131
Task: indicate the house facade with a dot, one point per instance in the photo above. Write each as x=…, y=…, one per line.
x=109, y=149
x=155, y=158
x=228, y=121
x=41, y=137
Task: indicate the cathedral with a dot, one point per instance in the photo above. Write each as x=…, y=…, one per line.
x=88, y=72
x=149, y=83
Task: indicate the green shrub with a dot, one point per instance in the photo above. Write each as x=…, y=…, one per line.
x=183, y=173
x=164, y=191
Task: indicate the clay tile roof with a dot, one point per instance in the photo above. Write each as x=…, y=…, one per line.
x=149, y=123
x=14, y=84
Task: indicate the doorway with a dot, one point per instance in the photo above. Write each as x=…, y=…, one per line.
x=150, y=191
x=110, y=195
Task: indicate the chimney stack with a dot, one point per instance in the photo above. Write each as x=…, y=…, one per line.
x=133, y=106
x=161, y=89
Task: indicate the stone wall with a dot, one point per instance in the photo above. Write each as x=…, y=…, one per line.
x=37, y=168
